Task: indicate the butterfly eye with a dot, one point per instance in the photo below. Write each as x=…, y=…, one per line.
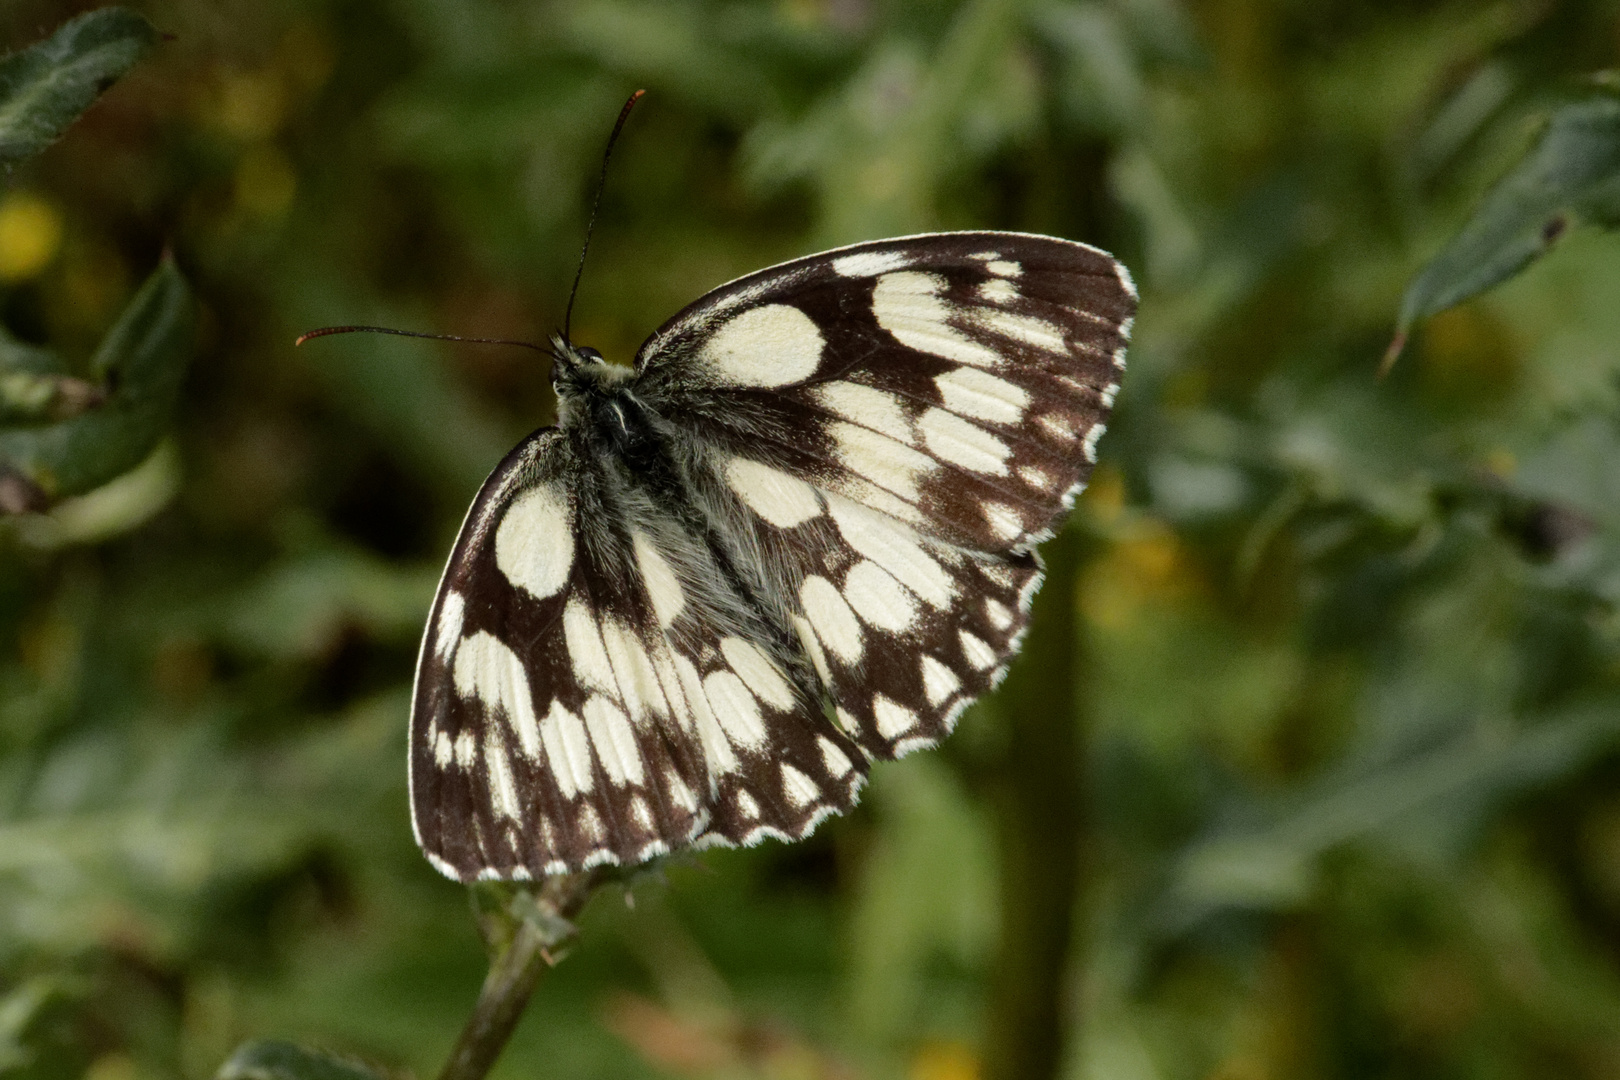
x=588, y=353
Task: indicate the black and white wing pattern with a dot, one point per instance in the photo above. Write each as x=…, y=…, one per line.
x=797, y=537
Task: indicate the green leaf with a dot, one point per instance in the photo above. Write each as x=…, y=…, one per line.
x=43, y=89
x=1273, y=866
x=25, y=396
x=141, y=362
x=269, y=1059
x=1572, y=174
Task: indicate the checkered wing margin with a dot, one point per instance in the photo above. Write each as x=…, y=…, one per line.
x=891, y=429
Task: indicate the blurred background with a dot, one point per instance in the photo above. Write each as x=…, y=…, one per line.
x=1312, y=771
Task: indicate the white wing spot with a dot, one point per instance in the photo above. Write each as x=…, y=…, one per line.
x=978, y=653
x=590, y=827
x=1125, y=281
x=679, y=793
x=781, y=499
x=895, y=548
x=601, y=856
x=846, y=720
x=492, y=673
x=568, y=750
x=1107, y=395
x=503, y=796
x=1089, y=446
x=670, y=682
x=836, y=760
x=735, y=709
x=586, y=655
x=983, y=396
x=718, y=755
x=640, y=813
x=466, y=749
x=939, y=681
x=998, y=291
x=443, y=752
x=633, y=671
x=1037, y=477
x=443, y=867
x=953, y=439
x=757, y=672
x=452, y=612
x=869, y=494
x=868, y=406
x=886, y=462
x=798, y=788
x=999, y=614
x=807, y=638
x=746, y=806
x=766, y=346
x=1003, y=520
x=879, y=599
x=615, y=742
x=1026, y=594
x=869, y=263
x=832, y=618
x=893, y=719
x=534, y=543
x=1004, y=268
x=1058, y=425
x=913, y=744
x=997, y=574
x=908, y=305
x=1025, y=328
x=663, y=587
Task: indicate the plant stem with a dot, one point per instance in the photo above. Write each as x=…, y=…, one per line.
x=514, y=973
x=1037, y=800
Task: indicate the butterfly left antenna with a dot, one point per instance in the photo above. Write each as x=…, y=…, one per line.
x=568, y=314
x=328, y=331
x=596, y=204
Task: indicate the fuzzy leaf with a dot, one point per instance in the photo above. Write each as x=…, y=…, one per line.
x=268, y=1059
x=43, y=89
x=1572, y=174
x=141, y=363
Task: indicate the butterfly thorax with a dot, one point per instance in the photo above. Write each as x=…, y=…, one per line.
x=596, y=399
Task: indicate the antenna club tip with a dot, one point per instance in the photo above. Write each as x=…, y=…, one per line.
x=300, y=339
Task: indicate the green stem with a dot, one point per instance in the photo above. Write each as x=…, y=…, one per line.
x=1036, y=797
x=514, y=973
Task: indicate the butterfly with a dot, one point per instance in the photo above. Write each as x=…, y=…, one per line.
x=795, y=537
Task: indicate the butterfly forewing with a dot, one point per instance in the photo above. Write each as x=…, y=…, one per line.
x=828, y=555
x=958, y=382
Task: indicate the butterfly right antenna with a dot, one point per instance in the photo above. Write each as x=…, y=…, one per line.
x=596, y=204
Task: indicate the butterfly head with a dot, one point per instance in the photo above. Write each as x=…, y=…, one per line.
x=580, y=375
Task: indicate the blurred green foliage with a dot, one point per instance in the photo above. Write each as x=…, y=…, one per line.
x=45, y=87
x=1322, y=780
x=61, y=435
x=1574, y=171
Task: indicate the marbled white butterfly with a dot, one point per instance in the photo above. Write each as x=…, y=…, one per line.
x=797, y=536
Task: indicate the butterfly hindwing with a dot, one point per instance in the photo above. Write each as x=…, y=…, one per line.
x=798, y=538
x=591, y=690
